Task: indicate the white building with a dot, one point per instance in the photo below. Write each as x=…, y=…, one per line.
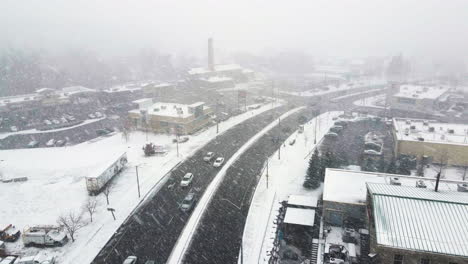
x=418, y=98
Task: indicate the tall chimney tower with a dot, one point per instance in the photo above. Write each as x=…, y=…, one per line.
x=210, y=55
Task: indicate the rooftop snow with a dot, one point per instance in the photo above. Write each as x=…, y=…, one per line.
x=297, y=216
x=217, y=68
x=77, y=89
x=420, y=219
x=216, y=79
x=303, y=200
x=421, y=129
x=171, y=109
x=118, y=89
x=421, y=92
x=347, y=186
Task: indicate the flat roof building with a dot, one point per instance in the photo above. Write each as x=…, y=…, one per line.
x=418, y=98
x=441, y=142
x=170, y=117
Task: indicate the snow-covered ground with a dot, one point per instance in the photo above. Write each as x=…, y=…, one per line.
x=285, y=177
x=332, y=88
x=56, y=184
x=358, y=93
x=189, y=229
x=448, y=172
x=377, y=101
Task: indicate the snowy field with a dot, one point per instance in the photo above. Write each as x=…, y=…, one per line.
x=56, y=184
x=377, y=101
x=286, y=177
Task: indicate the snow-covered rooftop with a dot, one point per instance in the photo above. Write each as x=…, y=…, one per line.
x=421, y=92
x=298, y=216
x=431, y=131
x=217, y=79
x=303, y=200
x=217, y=68
x=122, y=88
x=171, y=109
x=348, y=186
x=76, y=89
x=420, y=219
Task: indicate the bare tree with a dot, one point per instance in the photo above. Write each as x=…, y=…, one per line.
x=90, y=207
x=126, y=134
x=107, y=191
x=442, y=161
x=72, y=223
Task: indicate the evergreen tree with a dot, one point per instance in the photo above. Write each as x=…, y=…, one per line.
x=328, y=161
x=312, y=179
x=392, y=167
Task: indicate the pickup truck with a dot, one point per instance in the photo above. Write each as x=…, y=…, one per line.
x=44, y=236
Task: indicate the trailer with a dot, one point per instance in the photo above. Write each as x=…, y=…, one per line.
x=44, y=236
x=96, y=181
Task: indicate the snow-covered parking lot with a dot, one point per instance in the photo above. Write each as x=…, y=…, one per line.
x=56, y=185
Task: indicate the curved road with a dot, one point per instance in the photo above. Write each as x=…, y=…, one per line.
x=152, y=231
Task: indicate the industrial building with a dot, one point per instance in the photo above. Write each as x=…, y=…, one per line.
x=417, y=225
x=418, y=98
x=441, y=143
x=170, y=118
x=216, y=76
x=406, y=220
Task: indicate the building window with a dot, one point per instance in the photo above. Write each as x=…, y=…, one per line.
x=425, y=261
x=398, y=259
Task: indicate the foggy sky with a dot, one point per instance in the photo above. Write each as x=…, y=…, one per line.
x=332, y=28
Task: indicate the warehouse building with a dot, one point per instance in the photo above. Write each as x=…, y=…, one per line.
x=417, y=225
x=441, y=143
x=418, y=98
x=170, y=117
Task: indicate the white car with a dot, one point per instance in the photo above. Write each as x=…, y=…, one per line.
x=130, y=260
x=218, y=162
x=92, y=116
x=187, y=180
x=50, y=143
x=13, y=129
x=209, y=156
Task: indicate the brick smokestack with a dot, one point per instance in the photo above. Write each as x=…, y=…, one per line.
x=210, y=55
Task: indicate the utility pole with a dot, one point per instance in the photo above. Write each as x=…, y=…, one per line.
x=279, y=140
x=437, y=182
x=177, y=143
x=138, y=180
x=267, y=173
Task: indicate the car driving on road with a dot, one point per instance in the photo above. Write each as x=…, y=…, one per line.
x=218, y=162
x=130, y=260
x=209, y=156
x=188, y=202
x=186, y=180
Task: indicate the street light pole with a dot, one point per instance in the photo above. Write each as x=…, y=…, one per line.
x=267, y=174
x=138, y=180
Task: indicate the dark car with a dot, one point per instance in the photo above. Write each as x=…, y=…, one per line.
x=188, y=202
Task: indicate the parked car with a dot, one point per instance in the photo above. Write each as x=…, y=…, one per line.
x=10, y=233
x=13, y=129
x=209, y=156
x=92, y=116
x=47, y=122
x=60, y=143
x=188, y=202
x=180, y=140
x=50, y=143
x=41, y=258
x=331, y=135
x=218, y=162
x=150, y=262
x=33, y=144
x=55, y=121
x=187, y=180
x=130, y=260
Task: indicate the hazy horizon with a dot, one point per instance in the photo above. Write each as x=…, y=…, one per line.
x=326, y=28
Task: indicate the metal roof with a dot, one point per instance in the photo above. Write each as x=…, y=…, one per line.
x=303, y=200
x=420, y=219
x=418, y=193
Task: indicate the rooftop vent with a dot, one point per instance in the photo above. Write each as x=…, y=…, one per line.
x=431, y=129
x=462, y=187
x=163, y=107
x=425, y=123
x=415, y=95
x=420, y=139
x=420, y=184
x=395, y=181
x=408, y=122
x=156, y=109
x=412, y=127
x=450, y=131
